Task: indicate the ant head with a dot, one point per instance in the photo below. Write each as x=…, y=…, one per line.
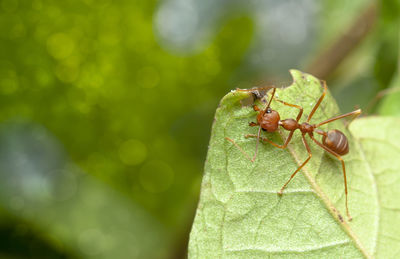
x=269, y=119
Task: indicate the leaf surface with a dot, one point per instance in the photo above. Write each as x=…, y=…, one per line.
x=241, y=215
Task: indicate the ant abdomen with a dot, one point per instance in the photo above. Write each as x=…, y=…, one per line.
x=336, y=141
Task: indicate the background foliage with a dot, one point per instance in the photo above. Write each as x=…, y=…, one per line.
x=106, y=107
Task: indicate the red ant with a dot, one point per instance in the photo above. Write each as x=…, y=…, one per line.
x=333, y=141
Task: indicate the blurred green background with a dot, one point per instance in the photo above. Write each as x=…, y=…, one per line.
x=106, y=106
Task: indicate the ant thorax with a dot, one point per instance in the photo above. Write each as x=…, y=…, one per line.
x=289, y=124
x=306, y=128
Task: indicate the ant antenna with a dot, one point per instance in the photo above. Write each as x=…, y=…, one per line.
x=270, y=100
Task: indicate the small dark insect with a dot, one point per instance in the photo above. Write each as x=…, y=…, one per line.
x=333, y=141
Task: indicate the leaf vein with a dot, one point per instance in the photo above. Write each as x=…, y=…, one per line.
x=298, y=250
x=375, y=188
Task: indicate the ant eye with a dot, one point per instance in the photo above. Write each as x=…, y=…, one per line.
x=269, y=110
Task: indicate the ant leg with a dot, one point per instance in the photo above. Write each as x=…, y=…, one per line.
x=356, y=113
x=318, y=102
x=241, y=149
x=301, y=166
x=347, y=122
x=295, y=106
x=255, y=89
x=258, y=140
x=344, y=171
x=272, y=143
x=256, y=108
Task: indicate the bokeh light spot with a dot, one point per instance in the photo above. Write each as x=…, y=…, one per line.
x=67, y=73
x=60, y=45
x=156, y=176
x=132, y=152
x=43, y=77
x=18, y=30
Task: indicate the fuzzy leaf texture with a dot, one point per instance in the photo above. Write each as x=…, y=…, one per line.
x=241, y=215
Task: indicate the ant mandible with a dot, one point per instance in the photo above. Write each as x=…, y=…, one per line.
x=333, y=141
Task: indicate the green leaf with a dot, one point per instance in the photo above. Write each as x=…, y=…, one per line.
x=241, y=215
